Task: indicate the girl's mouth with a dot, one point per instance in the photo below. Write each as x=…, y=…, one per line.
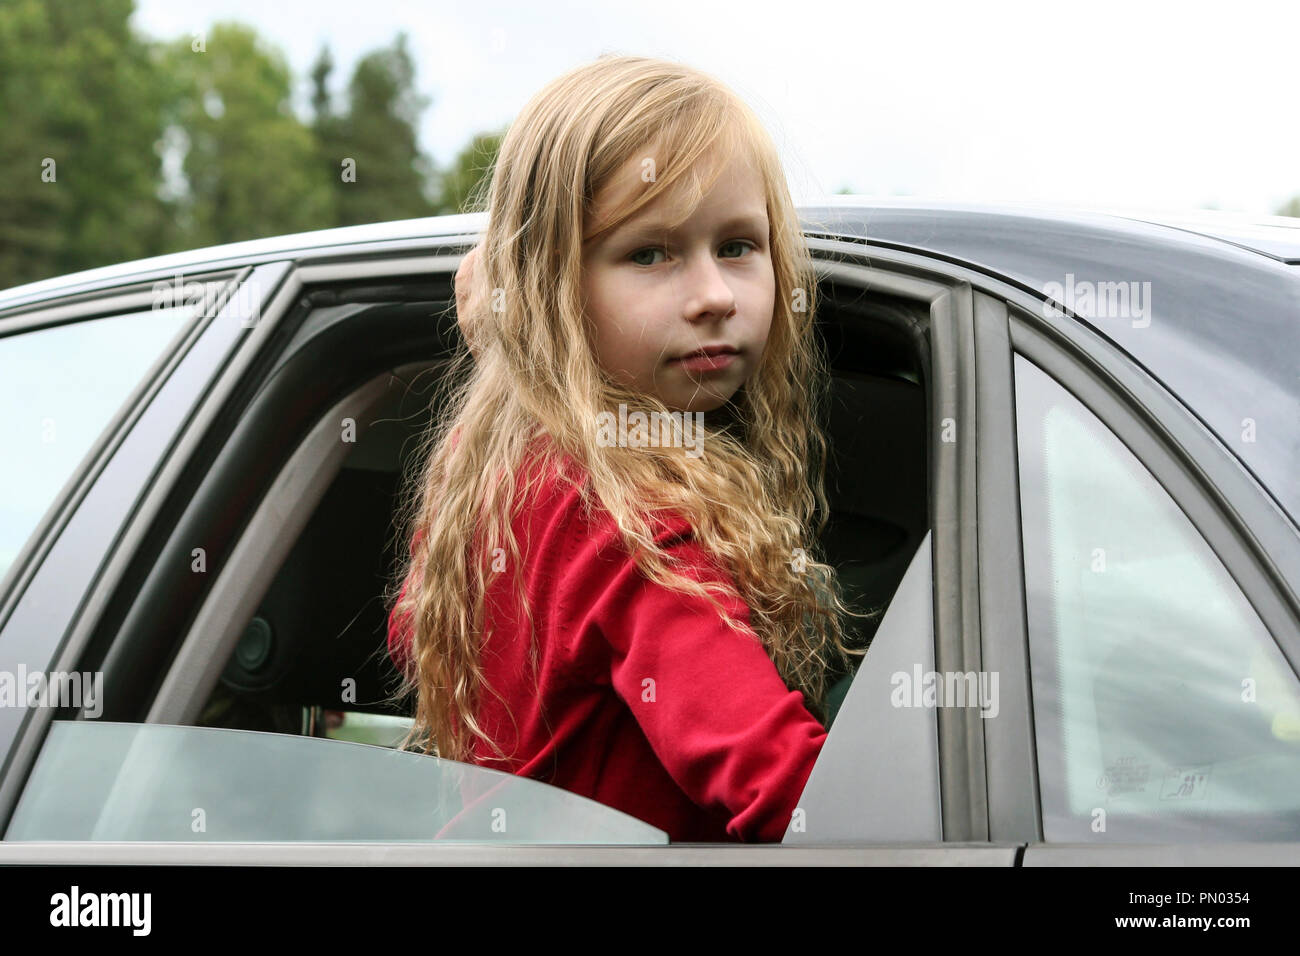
x=709, y=358
x=707, y=363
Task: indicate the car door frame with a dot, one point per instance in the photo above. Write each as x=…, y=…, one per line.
x=1239, y=520
x=948, y=304
x=952, y=464
x=949, y=362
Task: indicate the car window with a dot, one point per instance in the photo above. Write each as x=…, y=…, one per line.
x=107, y=781
x=310, y=648
x=59, y=388
x=1163, y=708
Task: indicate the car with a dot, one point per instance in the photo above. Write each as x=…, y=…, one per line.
x=1065, y=457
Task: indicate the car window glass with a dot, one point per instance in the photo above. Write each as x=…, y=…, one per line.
x=1163, y=708
x=59, y=388
x=106, y=781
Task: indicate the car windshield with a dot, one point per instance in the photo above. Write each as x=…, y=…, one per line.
x=104, y=781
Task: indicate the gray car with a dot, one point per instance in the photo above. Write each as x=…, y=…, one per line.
x=1066, y=457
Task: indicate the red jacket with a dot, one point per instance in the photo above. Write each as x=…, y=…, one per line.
x=646, y=702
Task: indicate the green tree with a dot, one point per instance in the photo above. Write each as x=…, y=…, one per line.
x=1291, y=208
x=463, y=186
x=327, y=130
x=245, y=148
x=81, y=100
x=376, y=170
x=116, y=147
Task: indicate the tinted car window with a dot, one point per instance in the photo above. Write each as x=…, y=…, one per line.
x=59, y=388
x=1164, y=709
x=97, y=780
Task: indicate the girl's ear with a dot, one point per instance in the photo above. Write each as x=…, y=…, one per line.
x=467, y=298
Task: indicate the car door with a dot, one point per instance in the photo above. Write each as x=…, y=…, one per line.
x=248, y=504
x=1143, y=617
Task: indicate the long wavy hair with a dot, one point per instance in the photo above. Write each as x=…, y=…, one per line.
x=751, y=499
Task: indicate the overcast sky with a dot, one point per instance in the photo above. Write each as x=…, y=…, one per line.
x=1136, y=104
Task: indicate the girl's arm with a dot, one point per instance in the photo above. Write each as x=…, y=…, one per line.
x=709, y=699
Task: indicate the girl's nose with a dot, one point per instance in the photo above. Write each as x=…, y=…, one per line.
x=709, y=292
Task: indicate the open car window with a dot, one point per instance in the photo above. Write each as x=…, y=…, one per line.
x=268, y=642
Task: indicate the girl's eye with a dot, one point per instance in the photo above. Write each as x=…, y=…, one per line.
x=640, y=252
x=742, y=243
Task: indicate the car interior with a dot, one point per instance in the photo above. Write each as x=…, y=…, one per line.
x=324, y=614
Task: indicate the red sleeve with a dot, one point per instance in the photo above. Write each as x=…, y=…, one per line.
x=709, y=699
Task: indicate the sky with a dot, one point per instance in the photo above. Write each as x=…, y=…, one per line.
x=1162, y=106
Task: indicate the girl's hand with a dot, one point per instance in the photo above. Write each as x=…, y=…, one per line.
x=466, y=298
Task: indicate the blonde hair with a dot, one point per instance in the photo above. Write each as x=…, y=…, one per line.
x=750, y=499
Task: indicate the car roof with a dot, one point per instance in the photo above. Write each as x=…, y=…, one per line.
x=249, y=251
x=1276, y=237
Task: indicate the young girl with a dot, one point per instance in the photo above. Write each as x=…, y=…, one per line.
x=640, y=623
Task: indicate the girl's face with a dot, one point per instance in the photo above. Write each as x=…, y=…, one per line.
x=655, y=298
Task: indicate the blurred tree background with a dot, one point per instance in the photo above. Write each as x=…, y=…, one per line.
x=115, y=146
